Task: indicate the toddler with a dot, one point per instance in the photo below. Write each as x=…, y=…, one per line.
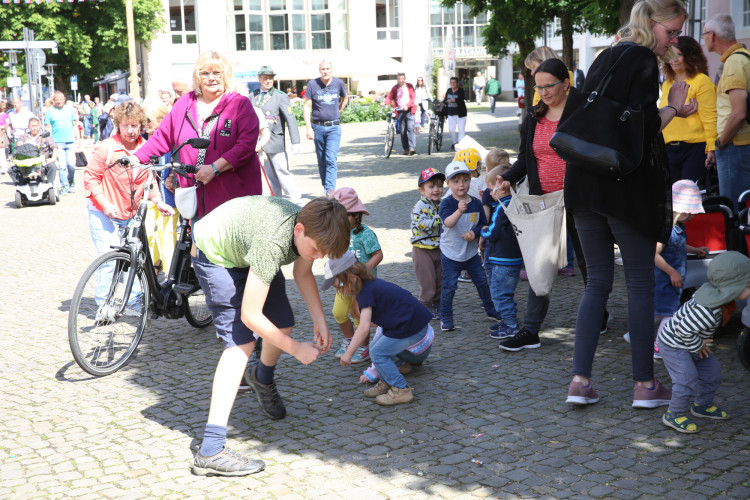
x=365, y=246
x=503, y=259
x=463, y=218
x=495, y=158
x=671, y=260
x=693, y=368
x=405, y=322
x=425, y=239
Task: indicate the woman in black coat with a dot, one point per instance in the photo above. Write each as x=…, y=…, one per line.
x=637, y=210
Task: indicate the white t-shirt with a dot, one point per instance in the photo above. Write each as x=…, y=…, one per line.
x=20, y=122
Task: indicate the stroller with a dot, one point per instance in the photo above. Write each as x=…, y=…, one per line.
x=32, y=184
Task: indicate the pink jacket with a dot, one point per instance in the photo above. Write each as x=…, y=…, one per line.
x=233, y=138
x=392, y=97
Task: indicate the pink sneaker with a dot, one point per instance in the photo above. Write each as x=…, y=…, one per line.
x=566, y=272
x=523, y=275
x=579, y=394
x=651, y=398
x=657, y=354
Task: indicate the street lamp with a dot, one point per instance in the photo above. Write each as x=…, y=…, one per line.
x=51, y=77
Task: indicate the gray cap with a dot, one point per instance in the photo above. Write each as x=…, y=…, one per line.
x=333, y=267
x=728, y=275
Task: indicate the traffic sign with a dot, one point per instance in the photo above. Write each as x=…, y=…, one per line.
x=74, y=82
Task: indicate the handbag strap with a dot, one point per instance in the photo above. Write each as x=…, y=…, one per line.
x=604, y=83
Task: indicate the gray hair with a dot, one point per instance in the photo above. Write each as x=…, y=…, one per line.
x=325, y=61
x=722, y=27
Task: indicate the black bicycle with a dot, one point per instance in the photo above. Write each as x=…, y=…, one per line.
x=119, y=293
x=437, y=121
x=390, y=133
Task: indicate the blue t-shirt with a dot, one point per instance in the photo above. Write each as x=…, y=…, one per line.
x=394, y=309
x=61, y=121
x=326, y=99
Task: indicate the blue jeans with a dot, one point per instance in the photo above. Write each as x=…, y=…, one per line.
x=105, y=233
x=66, y=158
x=733, y=166
x=383, y=349
x=87, y=125
x=595, y=232
x=503, y=281
x=451, y=271
x=406, y=124
x=693, y=379
x=327, y=140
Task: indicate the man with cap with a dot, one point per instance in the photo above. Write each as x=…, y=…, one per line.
x=426, y=227
x=276, y=108
x=694, y=370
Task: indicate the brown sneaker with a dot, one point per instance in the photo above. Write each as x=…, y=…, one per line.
x=377, y=389
x=395, y=396
x=404, y=369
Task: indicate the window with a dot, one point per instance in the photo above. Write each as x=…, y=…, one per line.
x=249, y=26
x=387, y=19
x=320, y=31
x=279, y=30
x=745, y=13
x=282, y=24
x=182, y=21
x=467, y=29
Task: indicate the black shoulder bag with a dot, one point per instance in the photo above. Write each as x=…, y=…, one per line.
x=600, y=134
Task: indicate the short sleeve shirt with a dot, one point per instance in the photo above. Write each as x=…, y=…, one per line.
x=394, y=309
x=20, y=122
x=326, y=99
x=551, y=167
x=364, y=244
x=250, y=231
x=734, y=75
x=61, y=121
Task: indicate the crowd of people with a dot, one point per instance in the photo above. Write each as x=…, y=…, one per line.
x=241, y=240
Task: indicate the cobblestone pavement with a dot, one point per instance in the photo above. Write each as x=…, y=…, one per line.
x=485, y=423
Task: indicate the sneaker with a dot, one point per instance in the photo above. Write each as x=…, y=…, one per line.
x=523, y=275
x=447, y=326
x=505, y=332
x=412, y=152
x=435, y=310
x=464, y=277
x=651, y=398
x=72, y=189
x=566, y=272
x=361, y=355
x=376, y=390
x=579, y=394
x=627, y=337
x=226, y=463
x=64, y=191
x=605, y=324
x=497, y=325
x=524, y=339
x=657, y=354
x=268, y=396
x=709, y=411
x=404, y=368
x=343, y=348
x=395, y=396
x=679, y=422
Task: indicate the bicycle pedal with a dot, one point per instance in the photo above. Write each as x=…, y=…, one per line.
x=183, y=288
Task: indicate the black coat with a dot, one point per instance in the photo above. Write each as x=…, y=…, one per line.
x=643, y=200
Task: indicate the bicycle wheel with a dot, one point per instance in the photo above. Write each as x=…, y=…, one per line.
x=390, y=134
x=101, y=339
x=439, y=137
x=431, y=139
x=196, y=312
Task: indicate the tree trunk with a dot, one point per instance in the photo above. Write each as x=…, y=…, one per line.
x=623, y=11
x=566, y=27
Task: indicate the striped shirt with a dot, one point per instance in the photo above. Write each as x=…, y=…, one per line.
x=550, y=166
x=690, y=325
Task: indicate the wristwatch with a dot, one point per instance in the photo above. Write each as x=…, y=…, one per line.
x=718, y=144
x=216, y=170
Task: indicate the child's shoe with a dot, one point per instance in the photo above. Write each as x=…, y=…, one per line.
x=505, y=332
x=496, y=326
x=579, y=394
x=343, y=348
x=361, y=355
x=627, y=337
x=464, y=277
x=435, y=310
x=657, y=354
x=679, y=422
x=658, y=395
x=523, y=275
x=566, y=271
x=605, y=323
x=376, y=390
x=404, y=368
x=524, y=339
x=447, y=326
x=709, y=411
x=395, y=396
x=493, y=315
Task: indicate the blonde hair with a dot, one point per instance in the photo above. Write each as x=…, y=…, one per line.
x=155, y=110
x=639, y=30
x=326, y=222
x=212, y=61
x=492, y=174
x=539, y=55
x=496, y=157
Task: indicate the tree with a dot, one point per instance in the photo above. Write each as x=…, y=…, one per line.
x=91, y=36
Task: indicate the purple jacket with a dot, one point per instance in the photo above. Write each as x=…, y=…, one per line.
x=233, y=138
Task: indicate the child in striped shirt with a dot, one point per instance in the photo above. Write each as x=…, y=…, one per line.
x=694, y=370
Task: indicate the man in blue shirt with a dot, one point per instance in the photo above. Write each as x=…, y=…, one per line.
x=326, y=97
x=62, y=120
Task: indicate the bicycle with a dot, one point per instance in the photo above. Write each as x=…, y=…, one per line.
x=390, y=133
x=119, y=292
x=437, y=121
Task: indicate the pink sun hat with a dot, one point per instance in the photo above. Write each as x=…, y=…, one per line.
x=348, y=197
x=686, y=197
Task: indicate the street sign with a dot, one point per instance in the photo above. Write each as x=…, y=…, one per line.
x=14, y=81
x=74, y=82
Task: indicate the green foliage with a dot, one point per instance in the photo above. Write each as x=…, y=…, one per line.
x=91, y=36
x=365, y=109
x=436, y=65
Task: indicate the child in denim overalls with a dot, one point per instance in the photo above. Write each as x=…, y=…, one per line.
x=671, y=260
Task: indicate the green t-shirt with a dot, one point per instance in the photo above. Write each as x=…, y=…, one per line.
x=364, y=244
x=251, y=231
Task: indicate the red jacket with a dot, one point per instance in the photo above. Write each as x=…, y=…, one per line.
x=393, y=97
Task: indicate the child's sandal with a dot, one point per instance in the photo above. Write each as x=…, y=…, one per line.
x=708, y=411
x=679, y=422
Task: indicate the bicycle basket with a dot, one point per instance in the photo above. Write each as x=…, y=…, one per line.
x=438, y=107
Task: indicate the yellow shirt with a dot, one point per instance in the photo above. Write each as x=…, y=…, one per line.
x=538, y=98
x=735, y=75
x=700, y=126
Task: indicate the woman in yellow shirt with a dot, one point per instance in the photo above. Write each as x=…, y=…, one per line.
x=690, y=141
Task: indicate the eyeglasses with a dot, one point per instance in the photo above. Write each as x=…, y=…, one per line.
x=703, y=35
x=542, y=88
x=205, y=75
x=672, y=34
